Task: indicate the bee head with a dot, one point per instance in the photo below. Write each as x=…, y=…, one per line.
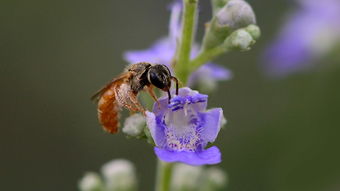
x=159, y=75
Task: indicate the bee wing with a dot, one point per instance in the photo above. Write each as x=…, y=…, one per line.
x=96, y=96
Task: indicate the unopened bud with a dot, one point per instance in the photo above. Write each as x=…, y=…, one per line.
x=234, y=15
x=213, y=179
x=186, y=177
x=240, y=40
x=119, y=175
x=91, y=182
x=216, y=177
x=254, y=31
x=134, y=125
x=217, y=5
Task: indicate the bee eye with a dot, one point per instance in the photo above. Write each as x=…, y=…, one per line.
x=158, y=79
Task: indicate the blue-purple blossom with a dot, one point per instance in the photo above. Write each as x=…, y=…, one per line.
x=182, y=129
x=164, y=51
x=308, y=35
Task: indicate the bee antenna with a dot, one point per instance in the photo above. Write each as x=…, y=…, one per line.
x=176, y=80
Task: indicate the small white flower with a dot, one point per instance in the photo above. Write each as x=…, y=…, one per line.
x=217, y=177
x=90, y=182
x=119, y=174
x=134, y=125
x=186, y=177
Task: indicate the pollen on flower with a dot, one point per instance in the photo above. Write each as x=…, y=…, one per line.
x=184, y=141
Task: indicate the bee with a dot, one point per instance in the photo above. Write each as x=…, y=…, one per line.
x=123, y=91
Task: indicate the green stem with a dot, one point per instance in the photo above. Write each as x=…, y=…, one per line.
x=206, y=56
x=188, y=27
x=164, y=173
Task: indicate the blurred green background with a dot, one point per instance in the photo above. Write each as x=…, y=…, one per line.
x=282, y=135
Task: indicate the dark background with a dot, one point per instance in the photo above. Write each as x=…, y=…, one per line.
x=282, y=135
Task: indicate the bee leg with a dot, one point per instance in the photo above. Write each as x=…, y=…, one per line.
x=176, y=80
x=169, y=95
x=153, y=95
x=136, y=105
x=132, y=108
x=132, y=112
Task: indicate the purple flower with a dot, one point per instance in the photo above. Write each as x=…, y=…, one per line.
x=308, y=35
x=164, y=50
x=182, y=129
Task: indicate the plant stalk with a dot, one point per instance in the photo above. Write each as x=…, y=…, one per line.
x=182, y=67
x=164, y=173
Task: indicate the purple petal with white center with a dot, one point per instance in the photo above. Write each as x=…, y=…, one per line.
x=210, y=156
x=183, y=128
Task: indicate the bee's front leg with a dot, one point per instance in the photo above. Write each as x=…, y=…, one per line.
x=133, y=98
x=153, y=95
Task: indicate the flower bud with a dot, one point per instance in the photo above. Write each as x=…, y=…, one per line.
x=216, y=177
x=217, y=5
x=119, y=175
x=234, y=15
x=186, y=177
x=91, y=182
x=240, y=39
x=134, y=125
x=213, y=179
x=254, y=31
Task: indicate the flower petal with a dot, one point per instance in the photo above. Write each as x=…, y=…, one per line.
x=213, y=120
x=175, y=20
x=157, y=131
x=185, y=96
x=207, y=76
x=210, y=156
x=161, y=52
x=307, y=36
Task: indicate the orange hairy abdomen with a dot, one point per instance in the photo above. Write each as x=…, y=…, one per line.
x=108, y=111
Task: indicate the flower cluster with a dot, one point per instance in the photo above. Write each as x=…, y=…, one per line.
x=182, y=129
x=117, y=175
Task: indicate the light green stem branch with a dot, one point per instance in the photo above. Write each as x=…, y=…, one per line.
x=206, y=56
x=188, y=27
x=164, y=173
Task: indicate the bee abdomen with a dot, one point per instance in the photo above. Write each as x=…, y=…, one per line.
x=108, y=111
